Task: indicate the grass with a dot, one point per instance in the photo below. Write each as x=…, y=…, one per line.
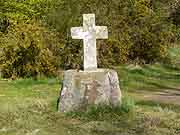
x=149, y=77
x=28, y=107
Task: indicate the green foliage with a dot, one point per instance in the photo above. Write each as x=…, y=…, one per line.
x=26, y=9
x=4, y=24
x=35, y=34
x=28, y=50
x=175, y=17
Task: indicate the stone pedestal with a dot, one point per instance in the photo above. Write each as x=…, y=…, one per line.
x=82, y=88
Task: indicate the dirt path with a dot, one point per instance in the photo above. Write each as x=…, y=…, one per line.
x=161, y=96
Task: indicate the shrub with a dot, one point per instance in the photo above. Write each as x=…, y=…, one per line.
x=4, y=24
x=28, y=50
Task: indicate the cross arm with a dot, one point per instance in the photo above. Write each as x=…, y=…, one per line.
x=101, y=32
x=77, y=32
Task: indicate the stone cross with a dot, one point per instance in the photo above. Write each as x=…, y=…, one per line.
x=89, y=33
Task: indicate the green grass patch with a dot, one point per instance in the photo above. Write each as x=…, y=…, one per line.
x=104, y=112
x=149, y=77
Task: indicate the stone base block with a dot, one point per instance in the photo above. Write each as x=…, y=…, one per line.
x=82, y=88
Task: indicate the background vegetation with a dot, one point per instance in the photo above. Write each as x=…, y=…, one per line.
x=35, y=34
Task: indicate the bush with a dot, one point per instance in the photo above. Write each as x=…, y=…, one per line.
x=4, y=24
x=29, y=50
x=175, y=17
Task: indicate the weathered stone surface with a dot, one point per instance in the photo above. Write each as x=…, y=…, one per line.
x=89, y=33
x=88, y=88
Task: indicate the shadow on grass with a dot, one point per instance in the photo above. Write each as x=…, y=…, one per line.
x=150, y=77
x=30, y=82
x=159, y=86
x=151, y=103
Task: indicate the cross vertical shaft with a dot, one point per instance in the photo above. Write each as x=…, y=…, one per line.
x=90, y=60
